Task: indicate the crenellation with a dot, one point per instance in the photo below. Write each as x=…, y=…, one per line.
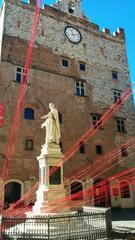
x=56, y=13
x=51, y=10
x=121, y=33
x=106, y=30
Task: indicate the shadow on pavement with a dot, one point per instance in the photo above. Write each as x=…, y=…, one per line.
x=123, y=223
x=123, y=214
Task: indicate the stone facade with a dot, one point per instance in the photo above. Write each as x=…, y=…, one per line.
x=49, y=80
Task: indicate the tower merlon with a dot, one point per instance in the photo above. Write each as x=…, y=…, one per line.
x=106, y=30
x=120, y=33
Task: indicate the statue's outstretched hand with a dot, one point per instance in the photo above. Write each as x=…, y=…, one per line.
x=45, y=116
x=42, y=125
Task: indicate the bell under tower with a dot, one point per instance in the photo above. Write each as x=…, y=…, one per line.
x=70, y=6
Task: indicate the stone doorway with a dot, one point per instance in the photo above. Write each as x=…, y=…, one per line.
x=101, y=193
x=12, y=193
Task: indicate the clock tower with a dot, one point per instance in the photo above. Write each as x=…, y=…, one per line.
x=70, y=6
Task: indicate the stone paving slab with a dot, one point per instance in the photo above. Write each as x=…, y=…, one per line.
x=123, y=230
x=124, y=226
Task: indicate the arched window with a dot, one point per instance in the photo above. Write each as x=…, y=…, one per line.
x=76, y=191
x=29, y=145
x=124, y=189
x=29, y=113
x=12, y=192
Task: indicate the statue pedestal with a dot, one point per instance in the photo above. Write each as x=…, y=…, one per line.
x=51, y=193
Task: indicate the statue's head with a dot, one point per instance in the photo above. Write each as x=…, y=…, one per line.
x=51, y=105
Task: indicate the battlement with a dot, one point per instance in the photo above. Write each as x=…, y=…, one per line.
x=51, y=10
x=119, y=33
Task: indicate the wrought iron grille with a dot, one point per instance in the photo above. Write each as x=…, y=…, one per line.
x=85, y=225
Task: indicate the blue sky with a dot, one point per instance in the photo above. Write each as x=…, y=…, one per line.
x=113, y=14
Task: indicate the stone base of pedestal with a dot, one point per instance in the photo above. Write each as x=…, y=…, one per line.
x=52, y=200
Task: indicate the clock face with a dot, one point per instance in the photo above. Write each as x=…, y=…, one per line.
x=73, y=34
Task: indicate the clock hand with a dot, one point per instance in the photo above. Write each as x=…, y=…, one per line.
x=73, y=32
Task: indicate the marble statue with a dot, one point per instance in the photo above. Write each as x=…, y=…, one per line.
x=52, y=125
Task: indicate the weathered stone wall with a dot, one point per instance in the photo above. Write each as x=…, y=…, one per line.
x=99, y=50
